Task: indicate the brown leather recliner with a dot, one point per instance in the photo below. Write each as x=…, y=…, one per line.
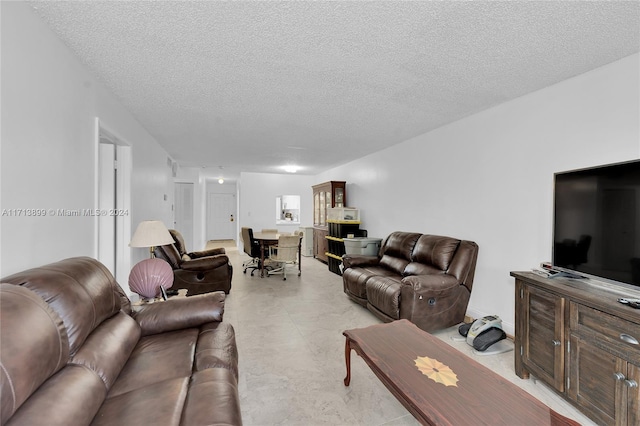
x=426, y=279
x=74, y=351
x=199, y=271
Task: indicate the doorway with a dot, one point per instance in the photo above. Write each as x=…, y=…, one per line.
x=183, y=212
x=113, y=202
x=221, y=216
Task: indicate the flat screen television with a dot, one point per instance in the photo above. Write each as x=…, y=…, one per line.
x=596, y=227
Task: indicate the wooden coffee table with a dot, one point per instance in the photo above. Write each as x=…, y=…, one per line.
x=440, y=385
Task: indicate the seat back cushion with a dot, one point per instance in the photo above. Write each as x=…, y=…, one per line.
x=170, y=254
x=34, y=346
x=463, y=265
x=108, y=348
x=396, y=250
x=72, y=396
x=432, y=254
x=384, y=294
x=80, y=290
x=178, y=242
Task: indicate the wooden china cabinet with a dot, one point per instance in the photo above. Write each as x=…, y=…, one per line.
x=325, y=196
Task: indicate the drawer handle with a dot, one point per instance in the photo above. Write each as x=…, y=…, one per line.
x=629, y=339
x=631, y=383
x=618, y=376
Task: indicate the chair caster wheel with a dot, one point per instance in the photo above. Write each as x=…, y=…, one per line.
x=284, y=279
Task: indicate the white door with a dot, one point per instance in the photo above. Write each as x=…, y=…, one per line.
x=183, y=213
x=221, y=223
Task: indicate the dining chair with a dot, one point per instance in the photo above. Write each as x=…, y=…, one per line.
x=284, y=253
x=252, y=248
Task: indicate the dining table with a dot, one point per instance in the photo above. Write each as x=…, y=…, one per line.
x=266, y=239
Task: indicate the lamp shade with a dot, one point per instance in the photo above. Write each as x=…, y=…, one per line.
x=151, y=233
x=148, y=275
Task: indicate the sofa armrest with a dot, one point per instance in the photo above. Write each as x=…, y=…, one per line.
x=430, y=282
x=179, y=313
x=205, y=263
x=206, y=253
x=353, y=261
x=433, y=301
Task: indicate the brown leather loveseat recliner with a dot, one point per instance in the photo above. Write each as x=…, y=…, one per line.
x=426, y=279
x=73, y=351
x=198, y=272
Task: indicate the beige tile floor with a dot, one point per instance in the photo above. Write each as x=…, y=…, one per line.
x=291, y=348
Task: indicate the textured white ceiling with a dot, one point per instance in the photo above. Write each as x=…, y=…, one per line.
x=251, y=86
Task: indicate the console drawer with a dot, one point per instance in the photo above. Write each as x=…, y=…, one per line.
x=622, y=334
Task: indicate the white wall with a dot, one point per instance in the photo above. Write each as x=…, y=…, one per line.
x=488, y=177
x=258, y=192
x=49, y=104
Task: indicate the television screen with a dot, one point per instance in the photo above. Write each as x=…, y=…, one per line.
x=596, y=228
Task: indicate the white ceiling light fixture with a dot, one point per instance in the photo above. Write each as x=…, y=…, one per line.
x=290, y=169
x=221, y=178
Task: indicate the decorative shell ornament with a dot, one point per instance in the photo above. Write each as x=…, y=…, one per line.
x=148, y=275
x=436, y=371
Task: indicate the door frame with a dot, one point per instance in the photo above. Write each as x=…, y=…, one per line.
x=104, y=134
x=187, y=234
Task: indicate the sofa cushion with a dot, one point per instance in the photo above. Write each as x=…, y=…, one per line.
x=170, y=356
x=169, y=253
x=27, y=359
x=400, y=244
x=180, y=314
x=416, y=268
x=396, y=251
x=355, y=279
x=212, y=399
x=435, y=250
x=216, y=348
x=108, y=348
x=158, y=404
x=80, y=290
x=70, y=397
x=178, y=241
x=384, y=294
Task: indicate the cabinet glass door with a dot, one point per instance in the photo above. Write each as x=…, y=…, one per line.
x=323, y=209
x=328, y=203
x=316, y=209
x=339, y=197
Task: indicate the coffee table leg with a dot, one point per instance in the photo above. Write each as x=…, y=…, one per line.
x=347, y=358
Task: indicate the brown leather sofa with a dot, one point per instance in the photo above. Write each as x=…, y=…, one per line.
x=198, y=272
x=426, y=279
x=73, y=351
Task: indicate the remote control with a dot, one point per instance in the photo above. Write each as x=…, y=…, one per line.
x=634, y=303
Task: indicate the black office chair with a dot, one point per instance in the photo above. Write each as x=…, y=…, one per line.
x=252, y=248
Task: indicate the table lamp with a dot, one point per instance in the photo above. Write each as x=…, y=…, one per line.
x=151, y=233
x=150, y=276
